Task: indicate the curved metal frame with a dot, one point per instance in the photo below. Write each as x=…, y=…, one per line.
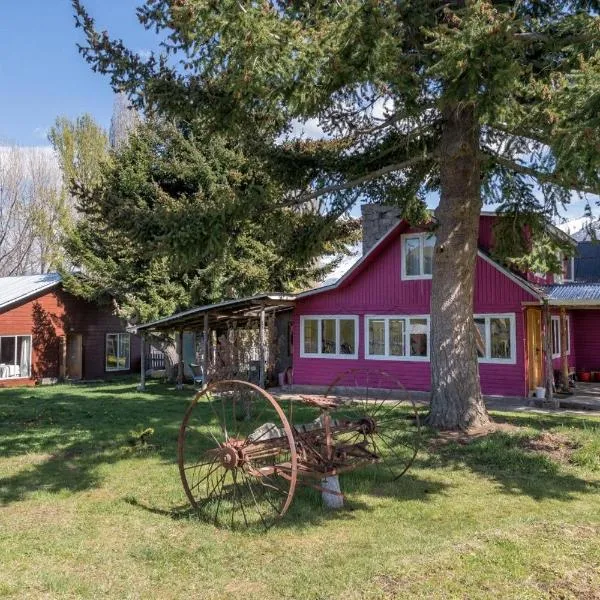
x=292, y=477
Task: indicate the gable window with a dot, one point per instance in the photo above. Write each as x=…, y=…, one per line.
x=118, y=349
x=567, y=273
x=15, y=356
x=417, y=255
x=495, y=338
x=397, y=337
x=556, y=340
x=329, y=336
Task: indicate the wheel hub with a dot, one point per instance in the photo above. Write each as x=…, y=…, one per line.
x=366, y=425
x=229, y=457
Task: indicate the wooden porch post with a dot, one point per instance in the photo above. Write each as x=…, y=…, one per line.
x=142, y=384
x=261, y=347
x=548, y=353
x=205, y=350
x=564, y=344
x=180, y=359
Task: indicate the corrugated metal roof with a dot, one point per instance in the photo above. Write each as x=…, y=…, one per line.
x=13, y=289
x=573, y=293
x=189, y=315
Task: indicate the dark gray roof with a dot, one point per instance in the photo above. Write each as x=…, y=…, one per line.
x=573, y=293
x=587, y=261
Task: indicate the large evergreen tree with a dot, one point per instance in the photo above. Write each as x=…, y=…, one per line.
x=479, y=100
x=174, y=220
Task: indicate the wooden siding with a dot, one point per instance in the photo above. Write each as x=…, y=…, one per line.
x=572, y=342
x=377, y=288
x=586, y=336
x=54, y=314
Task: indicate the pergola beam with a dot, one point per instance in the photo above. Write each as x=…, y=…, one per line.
x=180, y=359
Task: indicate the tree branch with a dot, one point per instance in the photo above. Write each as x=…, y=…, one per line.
x=330, y=189
x=554, y=178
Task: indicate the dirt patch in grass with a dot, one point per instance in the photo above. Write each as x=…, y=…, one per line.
x=580, y=583
x=556, y=446
x=466, y=437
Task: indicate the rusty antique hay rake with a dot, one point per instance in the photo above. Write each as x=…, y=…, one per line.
x=241, y=458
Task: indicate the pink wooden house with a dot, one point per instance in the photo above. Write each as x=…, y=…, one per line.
x=377, y=315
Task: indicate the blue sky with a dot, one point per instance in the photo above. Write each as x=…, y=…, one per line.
x=42, y=74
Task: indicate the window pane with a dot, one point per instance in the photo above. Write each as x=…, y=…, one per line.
x=396, y=335
x=111, y=352
x=328, y=341
x=311, y=336
x=347, y=345
x=500, y=338
x=480, y=337
x=428, y=244
x=412, y=259
x=568, y=268
x=418, y=337
x=124, y=351
x=7, y=350
x=24, y=355
x=376, y=337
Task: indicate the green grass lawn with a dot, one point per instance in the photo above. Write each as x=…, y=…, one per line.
x=85, y=515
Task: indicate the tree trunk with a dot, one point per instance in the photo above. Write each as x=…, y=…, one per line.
x=456, y=401
x=167, y=346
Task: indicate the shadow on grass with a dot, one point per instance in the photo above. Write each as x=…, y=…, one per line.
x=59, y=437
x=502, y=458
x=64, y=433
x=307, y=507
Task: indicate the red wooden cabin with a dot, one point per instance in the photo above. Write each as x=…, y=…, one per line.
x=47, y=334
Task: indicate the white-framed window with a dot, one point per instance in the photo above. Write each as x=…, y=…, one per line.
x=556, y=346
x=417, y=255
x=567, y=273
x=496, y=338
x=329, y=336
x=118, y=351
x=397, y=337
x=15, y=356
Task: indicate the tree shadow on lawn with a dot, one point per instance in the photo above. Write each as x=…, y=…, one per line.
x=63, y=434
x=504, y=458
x=548, y=421
x=307, y=508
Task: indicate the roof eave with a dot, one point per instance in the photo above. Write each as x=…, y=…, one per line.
x=31, y=294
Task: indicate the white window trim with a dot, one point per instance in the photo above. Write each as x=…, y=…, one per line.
x=18, y=335
x=560, y=277
x=108, y=369
x=320, y=354
x=386, y=356
x=571, y=259
x=556, y=319
x=421, y=236
x=487, y=360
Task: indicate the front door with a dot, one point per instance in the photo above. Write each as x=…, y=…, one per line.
x=534, y=348
x=75, y=356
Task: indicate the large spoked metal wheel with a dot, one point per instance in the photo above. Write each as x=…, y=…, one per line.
x=389, y=429
x=237, y=456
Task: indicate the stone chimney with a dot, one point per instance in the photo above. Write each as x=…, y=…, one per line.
x=377, y=220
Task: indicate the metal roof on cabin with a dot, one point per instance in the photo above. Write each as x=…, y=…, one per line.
x=238, y=308
x=13, y=289
x=574, y=292
x=587, y=261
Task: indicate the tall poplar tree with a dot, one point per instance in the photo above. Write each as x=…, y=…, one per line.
x=478, y=100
